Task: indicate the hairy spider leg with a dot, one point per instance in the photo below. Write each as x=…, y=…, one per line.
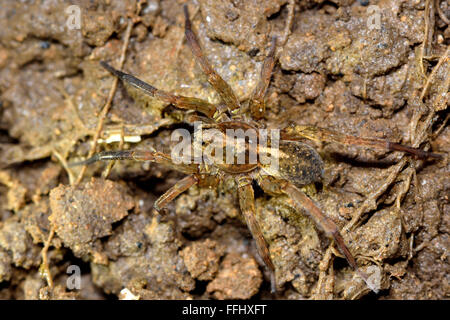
x=186, y=103
x=158, y=157
x=302, y=201
x=257, y=103
x=223, y=89
x=247, y=205
x=139, y=155
x=177, y=189
x=319, y=134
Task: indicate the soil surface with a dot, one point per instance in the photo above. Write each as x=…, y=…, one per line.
x=377, y=69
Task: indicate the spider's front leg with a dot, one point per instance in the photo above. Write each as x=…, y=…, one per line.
x=153, y=156
x=247, y=204
x=300, y=201
x=223, y=89
x=186, y=103
x=319, y=134
x=138, y=155
x=257, y=104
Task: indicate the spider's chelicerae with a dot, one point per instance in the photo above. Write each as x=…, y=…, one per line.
x=298, y=163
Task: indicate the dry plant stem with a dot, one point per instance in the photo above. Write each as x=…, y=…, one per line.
x=428, y=33
x=45, y=266
x=431, y=24
x=421, y=246
x=440, y=13
x=439, y=130
x=443, y=59
x=65, y=166
x=77, y=119
x=329, y=281
x=417, y=114
x=405, y=186
x=422, y=135
x=323, y=267
x=371, y=202
x=107, y=106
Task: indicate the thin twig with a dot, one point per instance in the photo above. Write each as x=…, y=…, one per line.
x=45, y=266
x=443, y=59
x=65, y=166
x=442, y=126
x=441, y=14
x=108, y=103
x=428, y=29
x=323, y=267
x=68, y=99
x=371, y=202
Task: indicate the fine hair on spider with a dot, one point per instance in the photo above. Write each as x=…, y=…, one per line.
x=298, y=163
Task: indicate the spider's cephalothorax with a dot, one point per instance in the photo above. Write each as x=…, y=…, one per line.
x=297, y=164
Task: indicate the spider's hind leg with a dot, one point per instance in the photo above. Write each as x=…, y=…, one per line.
x=320, y=134
x=300, y=201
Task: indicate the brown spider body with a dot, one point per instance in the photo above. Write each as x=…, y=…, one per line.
x=298, y=163
x=235, y=167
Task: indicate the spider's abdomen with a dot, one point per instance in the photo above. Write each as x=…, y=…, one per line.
x=298, y=163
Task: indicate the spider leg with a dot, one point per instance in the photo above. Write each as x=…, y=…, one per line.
x=177, y=189
x=300, y=201
x=186, y=103
x=320, y=134
x=257, y=104
x=247, y=204
x=138, y=155
x=223, y=89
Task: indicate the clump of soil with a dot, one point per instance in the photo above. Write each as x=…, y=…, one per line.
x=336, y=70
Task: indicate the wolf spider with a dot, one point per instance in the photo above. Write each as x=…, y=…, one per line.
x=299, y=164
